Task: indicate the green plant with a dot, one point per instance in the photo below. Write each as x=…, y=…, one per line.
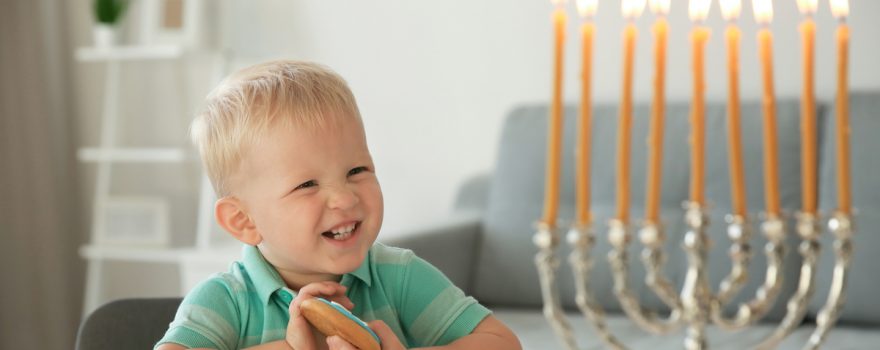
x=109, y=11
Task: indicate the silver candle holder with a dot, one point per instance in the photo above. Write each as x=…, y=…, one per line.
x=696, y=305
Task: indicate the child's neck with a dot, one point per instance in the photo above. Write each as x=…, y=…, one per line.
x=295, y=281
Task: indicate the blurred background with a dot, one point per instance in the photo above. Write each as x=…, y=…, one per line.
x=103, y=196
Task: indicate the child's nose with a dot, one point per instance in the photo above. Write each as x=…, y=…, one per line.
x=342, y=198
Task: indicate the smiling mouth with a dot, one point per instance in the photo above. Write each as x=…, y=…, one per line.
x=342, y=233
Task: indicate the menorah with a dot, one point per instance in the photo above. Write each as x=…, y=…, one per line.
x=698, y=305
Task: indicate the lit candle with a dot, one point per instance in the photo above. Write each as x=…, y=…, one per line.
x=631, y=10
x=554, y=140
x=808, y=107
x=698, y=10
x=655, y=137
x=587, y=8
x=730, y=10
x=763, y=10
x=840, y=9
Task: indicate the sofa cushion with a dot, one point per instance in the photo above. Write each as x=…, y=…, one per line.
x=862, y=285
x=506, y=274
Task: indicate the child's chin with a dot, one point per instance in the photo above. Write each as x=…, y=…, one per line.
x=348, y=264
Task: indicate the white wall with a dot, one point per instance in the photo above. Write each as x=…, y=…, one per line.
x=435, y=79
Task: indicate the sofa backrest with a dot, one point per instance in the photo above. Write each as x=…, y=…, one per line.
x=506, y=273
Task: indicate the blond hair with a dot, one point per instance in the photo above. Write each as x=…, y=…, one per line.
x=250, y=101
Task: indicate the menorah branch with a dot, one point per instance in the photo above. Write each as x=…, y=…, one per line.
x=755, y=309
x=581, y=238
x=808, y=229
x=629, y=302
x=653, y=238
x=547, y=240
x=695, y=294
x=841, y=226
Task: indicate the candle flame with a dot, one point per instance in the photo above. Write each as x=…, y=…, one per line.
x=730, y=9
x=839, y=8
x=587, y=8
x=807, y=6
x=763, y=10
x=632, y=9
x=558, y=3
x=659, y=7
x=698, y=10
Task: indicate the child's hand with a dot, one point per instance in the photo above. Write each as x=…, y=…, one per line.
x=300, y=334
x=389, y=339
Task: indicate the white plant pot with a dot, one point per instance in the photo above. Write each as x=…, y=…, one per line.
x=104, y=35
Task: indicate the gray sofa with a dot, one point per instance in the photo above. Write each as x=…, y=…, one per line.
x=486, y=246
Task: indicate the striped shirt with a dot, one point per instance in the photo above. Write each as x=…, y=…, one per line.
x=248, y=305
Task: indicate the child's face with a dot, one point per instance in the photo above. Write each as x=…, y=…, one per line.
x=301, y=185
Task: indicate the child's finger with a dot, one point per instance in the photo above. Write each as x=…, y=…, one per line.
x=312, y=290
x=340, y=297
x=343, y=300
x=337, y=343
x=389, y=339
x=321, y=289
x=299, y=332
x=329, y=290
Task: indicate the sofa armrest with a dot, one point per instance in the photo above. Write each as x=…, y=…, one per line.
x=450, y=246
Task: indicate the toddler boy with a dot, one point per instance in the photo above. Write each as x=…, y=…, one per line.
x=284, y=146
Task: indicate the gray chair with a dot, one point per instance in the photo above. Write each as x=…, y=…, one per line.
x=127, y=324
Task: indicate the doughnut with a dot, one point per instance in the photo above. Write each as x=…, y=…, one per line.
x=331, y=319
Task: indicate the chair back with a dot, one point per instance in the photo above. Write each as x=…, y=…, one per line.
x=127, y=324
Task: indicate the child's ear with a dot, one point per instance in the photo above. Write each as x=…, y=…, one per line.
x=231, y=215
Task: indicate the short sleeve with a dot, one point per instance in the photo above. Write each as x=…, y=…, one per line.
x=208, y=317
x=434, y=311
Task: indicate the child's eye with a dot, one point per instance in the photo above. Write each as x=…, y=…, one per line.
x=307, y=184
x=357, y=170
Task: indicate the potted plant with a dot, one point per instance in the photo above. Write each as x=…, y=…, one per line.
x=107, y=14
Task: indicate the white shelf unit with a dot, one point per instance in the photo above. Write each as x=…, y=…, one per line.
x=129, y=53
x=137, y=254
x=157, y=254
x=195, y=263
x=137, y=155
x=107, y=153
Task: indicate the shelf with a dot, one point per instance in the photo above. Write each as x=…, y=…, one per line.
x=224, y=253
x=141, y=254
x=146, y=155
x=129, y=53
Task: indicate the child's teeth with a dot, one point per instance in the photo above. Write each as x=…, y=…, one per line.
x=341, y=236
x=342, y=233
x=346, y=229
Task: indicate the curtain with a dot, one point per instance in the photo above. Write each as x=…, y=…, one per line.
x=41, y=275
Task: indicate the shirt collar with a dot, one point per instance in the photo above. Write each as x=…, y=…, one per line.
x=267, y=281
x=362, y=273
x=265, y=278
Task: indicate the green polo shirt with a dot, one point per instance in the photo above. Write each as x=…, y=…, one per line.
x=248, y=305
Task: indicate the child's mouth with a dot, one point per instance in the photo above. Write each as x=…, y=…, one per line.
x=342, y=233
